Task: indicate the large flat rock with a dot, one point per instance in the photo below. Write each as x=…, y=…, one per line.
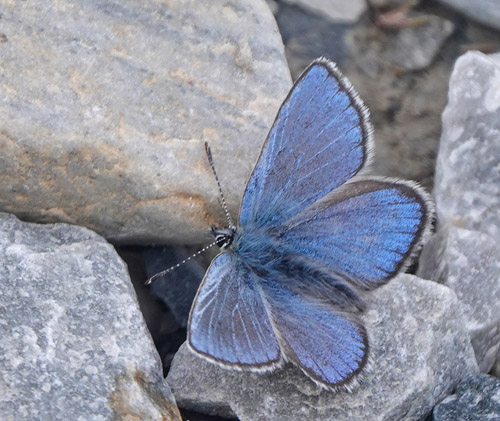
x=105, y=106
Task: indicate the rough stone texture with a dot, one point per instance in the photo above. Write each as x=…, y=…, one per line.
x=468, y=262
x=74, y=343
x=467, y=182
x=420, y=350
x=335, y=10
x=105, y=106
x=476, y=398
x=484, y=11
x=415, y=47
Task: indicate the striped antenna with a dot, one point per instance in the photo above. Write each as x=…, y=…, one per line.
x=164, y=272
x=223, y=200
x=224, y=208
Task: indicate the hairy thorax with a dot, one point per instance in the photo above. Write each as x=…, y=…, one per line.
x=274, y=262
x=259, y=250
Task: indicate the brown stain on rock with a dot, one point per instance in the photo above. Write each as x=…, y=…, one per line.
x=190, y=80
x=61, y=182
x=46, y=184
x=126, y=404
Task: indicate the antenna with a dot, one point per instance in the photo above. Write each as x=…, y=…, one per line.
x=217, y=239
x=223, y=200
x=164, y=272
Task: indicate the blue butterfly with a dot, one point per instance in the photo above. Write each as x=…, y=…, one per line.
x=312, y=235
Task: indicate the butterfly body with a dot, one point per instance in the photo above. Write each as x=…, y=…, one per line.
x=259, y=251
x=314, y=234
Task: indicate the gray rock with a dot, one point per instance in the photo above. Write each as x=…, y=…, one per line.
x=74, y=343
x=484, y=11
x=336, y=10
x=477, y=398
x=467, y=182
x=308, y=36
x=273, y=5
x=105, y=107
x=390, y=4
x=420, y=350
x=468, y=262
x=415, y=47
x=495, y=370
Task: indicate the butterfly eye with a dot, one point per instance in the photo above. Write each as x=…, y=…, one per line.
x=223, y=237
x=224, y=240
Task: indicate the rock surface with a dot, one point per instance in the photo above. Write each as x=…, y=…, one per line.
x=390, y=4
x=105, y=106
x=415, y=47
x=468, y=262
x=477, y=398
x=484, y=11
x=420, y=350
x=467, y=182
x=336, y=10
x=74, y=343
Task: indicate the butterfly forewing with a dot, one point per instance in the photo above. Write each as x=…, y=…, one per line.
x=320, y=139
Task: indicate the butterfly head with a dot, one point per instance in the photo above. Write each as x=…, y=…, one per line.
x=224, y=237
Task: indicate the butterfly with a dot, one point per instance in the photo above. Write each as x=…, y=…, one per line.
x=313, y=235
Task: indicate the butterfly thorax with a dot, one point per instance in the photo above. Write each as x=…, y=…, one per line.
x=275, y=263
x=257, y=248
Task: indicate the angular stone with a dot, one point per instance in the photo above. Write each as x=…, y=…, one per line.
x=467, y=182
x=335, y=10
x=468, y=262
x=477, y=398
x=484, y=11
x=105, y=107
x=420, y=350
x=390, y=4
x=415, y=47
x=74, y=343
x=495, y=370
x=309, y=35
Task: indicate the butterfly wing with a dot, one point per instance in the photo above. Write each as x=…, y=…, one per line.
x=228, y=323
x=320, y=139
x=366, y=231
x=328, y=346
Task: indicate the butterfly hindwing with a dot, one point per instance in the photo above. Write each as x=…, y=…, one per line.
x=228, y=323
x=320, y=139
x=367, y=230
x=330, y=347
